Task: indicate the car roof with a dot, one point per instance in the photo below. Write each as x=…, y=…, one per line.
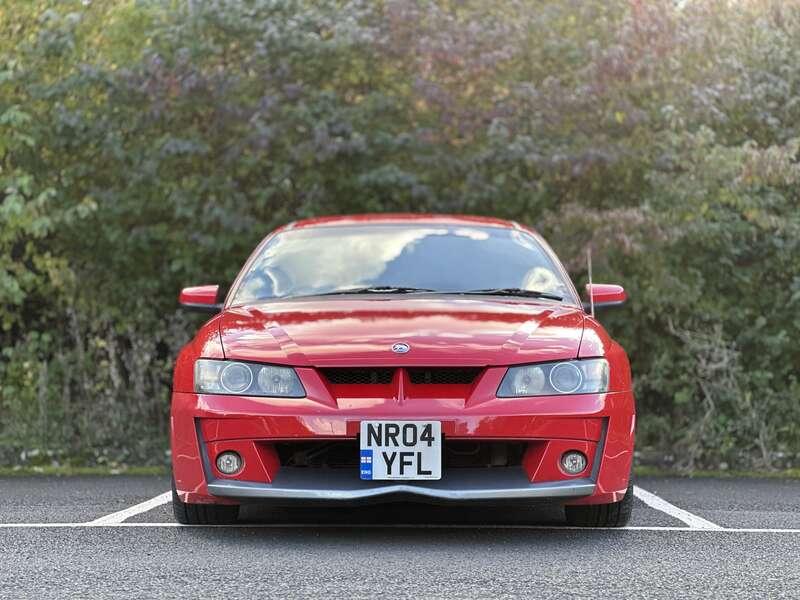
x=400, y=218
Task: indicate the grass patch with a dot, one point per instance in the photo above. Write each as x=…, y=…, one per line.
x=71, y=471
x=648, y=471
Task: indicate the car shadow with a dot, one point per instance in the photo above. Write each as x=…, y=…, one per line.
x=400, y=527
x=405, y=514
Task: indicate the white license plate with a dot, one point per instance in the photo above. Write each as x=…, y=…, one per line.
x=401, y=450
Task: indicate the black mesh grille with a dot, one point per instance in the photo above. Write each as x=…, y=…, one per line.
x=444, y=375
x=455, y=454
x=348, y=376
x=334, y=454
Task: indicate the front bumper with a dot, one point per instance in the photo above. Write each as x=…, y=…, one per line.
x=600, y=425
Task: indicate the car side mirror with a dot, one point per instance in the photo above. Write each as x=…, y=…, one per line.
x=201, y=298
x=604, y=295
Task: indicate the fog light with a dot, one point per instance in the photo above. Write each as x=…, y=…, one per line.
x=573, y=462
x=229, y=463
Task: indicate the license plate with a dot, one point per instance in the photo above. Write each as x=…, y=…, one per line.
x=401, y=450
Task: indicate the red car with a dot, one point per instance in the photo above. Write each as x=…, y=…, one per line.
x=413, y=357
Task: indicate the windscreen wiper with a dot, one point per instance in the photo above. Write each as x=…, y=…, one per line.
x=512, y=292
x=376, y=289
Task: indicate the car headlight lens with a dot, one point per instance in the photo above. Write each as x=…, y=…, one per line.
x=566, y=378
x=277, y=381
x=235, y=378
x=551, y=379
x=250, y=379
x=529, y=381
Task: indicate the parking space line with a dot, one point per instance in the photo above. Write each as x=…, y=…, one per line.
x=694, y=522
x=93, y=525
x=658, y=503
x=120, y=516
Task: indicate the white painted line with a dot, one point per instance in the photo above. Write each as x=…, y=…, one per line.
x=659, y=503
x=120, y=516
x=384, y=526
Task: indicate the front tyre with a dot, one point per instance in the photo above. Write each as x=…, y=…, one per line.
x=202, y=514
x=615, y=514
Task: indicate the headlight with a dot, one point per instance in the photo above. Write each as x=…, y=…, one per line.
x=247, y=379
x=551, y=379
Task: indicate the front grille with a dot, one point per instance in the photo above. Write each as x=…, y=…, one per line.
x=444, y=375
x=358, y=376
x=466, y=454
x=417, y=375
x=456, y=454
x=319, y=455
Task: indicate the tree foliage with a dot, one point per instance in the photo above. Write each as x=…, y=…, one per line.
x=146, y=145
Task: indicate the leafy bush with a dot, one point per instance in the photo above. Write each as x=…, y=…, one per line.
x=146, y=145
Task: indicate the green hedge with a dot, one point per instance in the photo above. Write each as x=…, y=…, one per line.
x=146, y=145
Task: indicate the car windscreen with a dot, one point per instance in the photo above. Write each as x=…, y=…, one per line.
x=442, y=258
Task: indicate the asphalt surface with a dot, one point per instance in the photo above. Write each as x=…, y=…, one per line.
x=437, y=552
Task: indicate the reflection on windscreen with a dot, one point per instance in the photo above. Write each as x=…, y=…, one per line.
x=444, y=258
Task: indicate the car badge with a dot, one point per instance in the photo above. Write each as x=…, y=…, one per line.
x=400, y=348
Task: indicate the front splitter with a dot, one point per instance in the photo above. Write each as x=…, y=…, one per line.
x=502, y=483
